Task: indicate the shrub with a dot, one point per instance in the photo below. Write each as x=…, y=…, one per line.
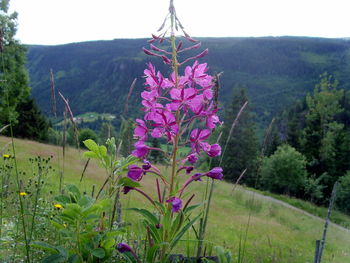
x=284, y=172
x=343, y=194
x=86, y=134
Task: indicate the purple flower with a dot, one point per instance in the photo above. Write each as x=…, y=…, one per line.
x=155, y=80
x=176, y=204
x=127, y=189
x=135, y=173
x=123, y=247
x=141, y=150
x=196, y=177
x=189, y=169
x=165, y=123
x=147, y=165
x=215, y=173
x=141, y=130
x=196, y=75
x=182, y=98
x=196, y=138
x=214, y=150
x=192, y=158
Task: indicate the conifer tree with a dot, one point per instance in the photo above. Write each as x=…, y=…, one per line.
x=242, y=147
x=323, y=136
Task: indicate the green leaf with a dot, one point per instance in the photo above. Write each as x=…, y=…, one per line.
x=151, y=218
x=45, y=246
x=91, y=145
x=151, y=253
x=73, y=258
x=126, y=181
x=99, y=252
x=183, y=231
x=74, y=190
x=57, y=225
x=103, y=150
x=62, y=199
x=85, y=201
x=108, y=243
x=91, y=155
x=190, y=208
x=56, y=258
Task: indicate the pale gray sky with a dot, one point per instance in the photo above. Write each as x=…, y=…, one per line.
x=63, y=21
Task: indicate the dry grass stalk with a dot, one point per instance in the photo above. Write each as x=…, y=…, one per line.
x=238, y=180
x=71, y=117
x=84, y=170
x=126, y=109
x=234, y=123
x=3, y=128
x=53, y=94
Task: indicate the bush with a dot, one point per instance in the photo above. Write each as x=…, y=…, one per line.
x=343, y=194
x=284, y=172
x=85, y=134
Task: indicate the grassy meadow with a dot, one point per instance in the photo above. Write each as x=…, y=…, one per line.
x=267, y=231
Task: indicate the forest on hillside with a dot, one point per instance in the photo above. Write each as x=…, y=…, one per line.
x=96, y=76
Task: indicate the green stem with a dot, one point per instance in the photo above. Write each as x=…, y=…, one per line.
x=35, y=203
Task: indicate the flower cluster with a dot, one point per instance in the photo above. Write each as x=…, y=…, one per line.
x=172, y=105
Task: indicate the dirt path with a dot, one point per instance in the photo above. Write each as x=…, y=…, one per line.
x=269, y=198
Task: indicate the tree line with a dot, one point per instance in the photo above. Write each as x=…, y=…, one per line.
x=305, y=150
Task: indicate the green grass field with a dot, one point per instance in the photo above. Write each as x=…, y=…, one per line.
x=271, y=232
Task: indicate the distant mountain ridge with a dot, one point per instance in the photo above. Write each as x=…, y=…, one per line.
x=96, y=75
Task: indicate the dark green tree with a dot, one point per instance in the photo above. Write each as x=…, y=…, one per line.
x=343, y=194
x=242, y=146
x=14, y=87
x=156, y=156
x=85, y=134
x=323, y=135
x=31, y=123
x=284, y=172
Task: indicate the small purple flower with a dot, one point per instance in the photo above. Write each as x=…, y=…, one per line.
x=123, y=247
x=135, y=173
x=215, y=173
x=141, y=150
x=189, y=169
x=214, y=150
x=197, y=177
x=127, y=189
x=197, y=137
x=147, y=165
x=176, y=204
x=141, y=130
x=192, y=158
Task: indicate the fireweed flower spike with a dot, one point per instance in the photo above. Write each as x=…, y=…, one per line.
x=173, y=106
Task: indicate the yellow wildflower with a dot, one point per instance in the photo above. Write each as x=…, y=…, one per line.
x=58, y=206
x=22, y=193
x=65, y=225
x=6, y=156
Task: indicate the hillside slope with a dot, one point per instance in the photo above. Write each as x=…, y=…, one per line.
x=96, y=76
x=275, y=234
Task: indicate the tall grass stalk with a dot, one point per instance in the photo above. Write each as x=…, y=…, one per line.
x=204, y=219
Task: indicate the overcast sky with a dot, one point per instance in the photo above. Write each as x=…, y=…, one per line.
x=53, y=22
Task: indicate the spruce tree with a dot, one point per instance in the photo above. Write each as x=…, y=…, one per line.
x=31, y=123
x=323, y=136
x=242, y=147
